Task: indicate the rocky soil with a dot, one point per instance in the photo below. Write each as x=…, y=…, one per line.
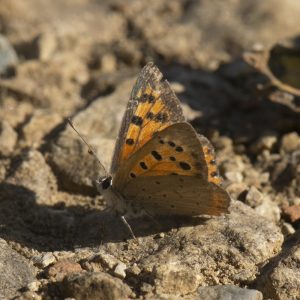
x=79, y=59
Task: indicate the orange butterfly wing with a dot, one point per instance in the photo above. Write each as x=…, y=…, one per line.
x=152, y=107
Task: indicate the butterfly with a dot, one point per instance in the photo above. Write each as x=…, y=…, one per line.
x=161, y=166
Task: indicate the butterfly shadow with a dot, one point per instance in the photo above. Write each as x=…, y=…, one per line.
x=63, y=228
x=115, y=230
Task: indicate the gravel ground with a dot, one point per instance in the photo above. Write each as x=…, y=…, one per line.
x=80, y=59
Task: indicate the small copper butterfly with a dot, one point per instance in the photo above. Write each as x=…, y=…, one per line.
x=161, y=166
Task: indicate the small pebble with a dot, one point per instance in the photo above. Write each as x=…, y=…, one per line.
x=134, y=270
x=8, y=138
x=234, y=176
x=28, y=295
x=44, y=260
x=8, y=55
x=290, y=142
x=254, y=197
x=120, y=270
x=108, y=260
x=33, y=286
x=287, y=229
x=292, y=213
x=108, y=63
x=264, y=143
x=269, y=209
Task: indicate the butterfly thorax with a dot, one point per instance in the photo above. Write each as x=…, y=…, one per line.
x=114, y=200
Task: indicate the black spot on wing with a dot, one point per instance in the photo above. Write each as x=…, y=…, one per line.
x=184, y=166
x=129, y=142
x=143, y=165
x=156, y=155
x=147, y=98
x=161, y=117
x=179, y=149
x=151, y=99
x=144, y=98
x=150, y=115
x=137, y=120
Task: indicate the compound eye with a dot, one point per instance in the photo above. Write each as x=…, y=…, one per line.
x=106, y=183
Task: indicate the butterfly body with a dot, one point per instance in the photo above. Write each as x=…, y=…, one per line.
x=161, y=166
x=115, y=201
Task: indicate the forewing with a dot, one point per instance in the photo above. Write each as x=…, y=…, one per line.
x=152, y=107
x=177, y=195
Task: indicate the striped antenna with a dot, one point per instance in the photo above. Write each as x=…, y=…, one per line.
x=90, y=149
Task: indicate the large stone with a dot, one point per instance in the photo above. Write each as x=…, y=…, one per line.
x=280, y=279
x=15, y=271
x=223, y=250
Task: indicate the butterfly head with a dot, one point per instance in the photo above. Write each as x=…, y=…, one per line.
x=112, y=199
x=104, y=183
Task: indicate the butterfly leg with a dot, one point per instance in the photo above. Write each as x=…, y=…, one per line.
x=128, y=227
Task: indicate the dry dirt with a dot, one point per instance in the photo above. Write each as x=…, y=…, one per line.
x=80, y=59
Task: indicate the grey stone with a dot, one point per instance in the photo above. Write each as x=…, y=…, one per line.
x=8, y=55
x=228, y=292
x=15, y=271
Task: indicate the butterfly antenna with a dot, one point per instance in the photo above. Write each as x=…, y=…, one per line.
x=90, y=149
